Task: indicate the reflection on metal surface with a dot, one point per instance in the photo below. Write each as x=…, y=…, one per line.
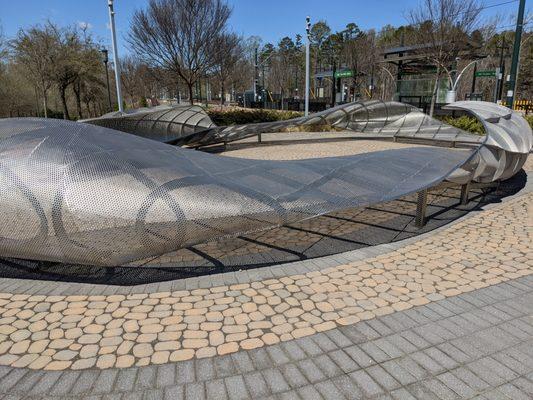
x=507, y=142
x=505, y=149
x=162, y=123
x=85, y=194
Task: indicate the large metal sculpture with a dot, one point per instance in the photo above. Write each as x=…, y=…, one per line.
x=80, y=193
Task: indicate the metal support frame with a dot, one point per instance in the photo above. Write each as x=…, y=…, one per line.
x=421, y=207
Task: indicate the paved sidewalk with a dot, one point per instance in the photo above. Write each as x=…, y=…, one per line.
x=476, y=345
x=445, y=316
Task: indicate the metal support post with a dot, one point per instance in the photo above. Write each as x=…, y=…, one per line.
x=465, y=190
x=421, y=207
x=307, y=62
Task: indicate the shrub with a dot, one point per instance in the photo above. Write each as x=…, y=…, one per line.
x=466, y=123
x=240, y=116
x=529, y=119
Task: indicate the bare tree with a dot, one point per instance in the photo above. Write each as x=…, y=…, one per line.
x=444, y=27
x=132, y=77
x=3, y=50
x=228, y=53
x=67, y=62
x=34, y=48
x=87, y=66
x=179, y=35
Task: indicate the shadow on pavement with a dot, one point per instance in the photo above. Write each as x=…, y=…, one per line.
x=326, y=235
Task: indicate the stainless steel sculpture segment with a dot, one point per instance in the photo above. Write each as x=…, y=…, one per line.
x=80, y=193
x=162, y=123
x=505, y=146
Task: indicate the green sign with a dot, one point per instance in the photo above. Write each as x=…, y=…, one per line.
x=486, y=74
x=344, y=74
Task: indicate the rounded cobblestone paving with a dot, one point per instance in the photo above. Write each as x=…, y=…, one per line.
x=119, y=331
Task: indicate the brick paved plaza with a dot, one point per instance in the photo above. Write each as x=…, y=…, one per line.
x=447, y=314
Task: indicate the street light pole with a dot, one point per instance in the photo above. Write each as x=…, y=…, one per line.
x=106, y=60
x=501, y=76
x=115, y=54
x=256, y=73
x=307, y=48
x=516, y=54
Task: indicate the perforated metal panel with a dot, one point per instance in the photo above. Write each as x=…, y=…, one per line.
x=80, y=193
x=505, y=146
x=86, y=194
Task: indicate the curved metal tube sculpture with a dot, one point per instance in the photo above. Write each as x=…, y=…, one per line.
x=163, y=124
x=86, y=194
x=506, y=143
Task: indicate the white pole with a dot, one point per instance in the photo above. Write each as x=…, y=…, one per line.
x=115, y=54
x=454, y=87
x=451, y=95
x=308, y=27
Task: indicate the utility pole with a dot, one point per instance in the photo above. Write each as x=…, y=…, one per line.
x=115, y=54
x=371, y=82
x=511, y=92
x=106, y=60
x=333, y=83
x=499, y=90
x=307, y=49
x=256, y=74
x=473, y=90
x=263, y=84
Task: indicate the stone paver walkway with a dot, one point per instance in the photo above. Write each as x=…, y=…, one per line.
x=446, y=316
x=81, y=331
x=475, y=345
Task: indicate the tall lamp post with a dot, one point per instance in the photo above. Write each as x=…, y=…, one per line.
x=307, y=45
x=105, y=52
x=115, y=53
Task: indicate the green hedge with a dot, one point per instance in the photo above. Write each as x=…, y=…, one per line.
x=466, y=123
x=239, y=117
x=472, y=125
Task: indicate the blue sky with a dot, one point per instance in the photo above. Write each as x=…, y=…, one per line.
x=270, y=19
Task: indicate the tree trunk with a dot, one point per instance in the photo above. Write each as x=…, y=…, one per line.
x=37, y=106
x=77, y=92
x=45, y=103
x=88, y=107
x=189, y=87
x=63, y=95
x=434, y=94
x=222, y=95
